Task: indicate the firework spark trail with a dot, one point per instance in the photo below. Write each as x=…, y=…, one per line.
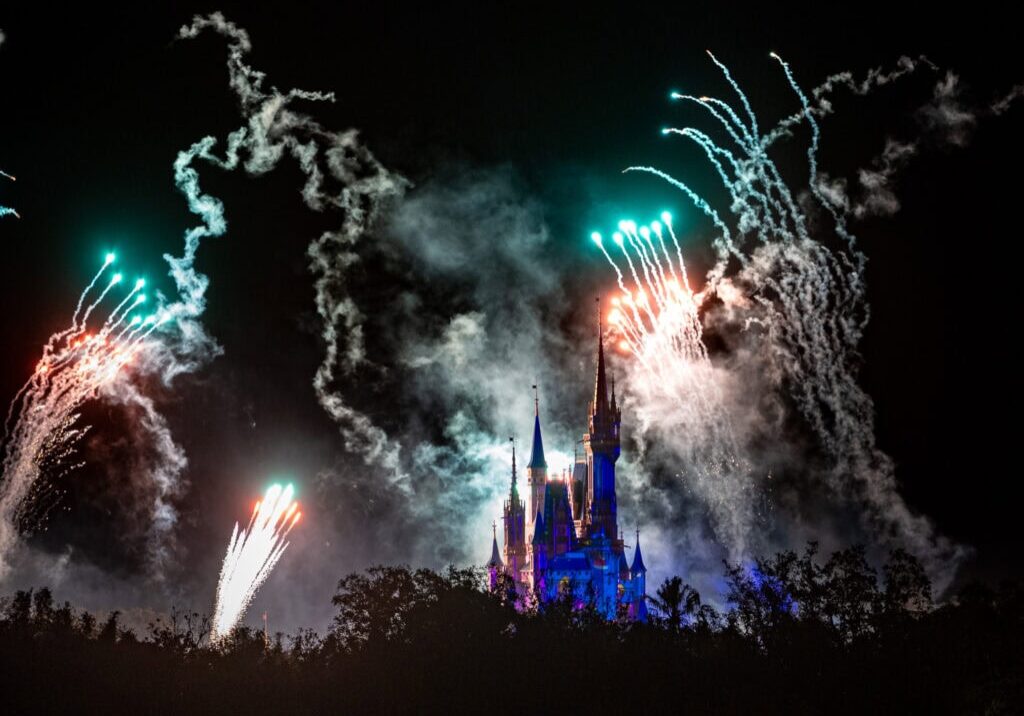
x=252, y=554
x=807, y=298
x=659, y=325
x=40, y=428
x=6, y=210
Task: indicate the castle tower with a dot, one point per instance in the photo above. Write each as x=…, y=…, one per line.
x=539, y=554
x=578, y=491
x=515, y=526
x=536, y=471
x=602, y=448
x=558, y=514
x=638, y=576
x=494, y=564
x=565, y=529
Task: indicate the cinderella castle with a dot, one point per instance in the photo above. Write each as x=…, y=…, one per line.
x=567, y=533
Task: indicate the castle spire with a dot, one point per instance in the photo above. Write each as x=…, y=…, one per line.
x=513, y=493
x=537, y=450
x=601, y=383
x=538, y=528
x=495, y=561
x=638, y=559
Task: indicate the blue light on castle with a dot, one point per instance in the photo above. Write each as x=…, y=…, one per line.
x=567, y=533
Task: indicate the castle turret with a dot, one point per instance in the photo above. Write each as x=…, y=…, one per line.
x=494, y=564
x=559, y=533
x=539, y=553
x=536, y=470
x=515, y=526
x=638, y=576
x=602, y=447
x=578, y=492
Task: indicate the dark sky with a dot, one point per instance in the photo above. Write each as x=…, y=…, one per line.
x=98, y=102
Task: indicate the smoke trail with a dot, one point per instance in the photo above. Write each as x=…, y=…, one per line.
x=822, y=94
x=946, y=120
x=804, y=302
x=341, y=174
x=421, y=488
x=429, y=489
x=1001, y=105
x=392, y=488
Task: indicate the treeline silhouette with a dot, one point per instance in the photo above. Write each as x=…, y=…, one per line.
x=802, y=635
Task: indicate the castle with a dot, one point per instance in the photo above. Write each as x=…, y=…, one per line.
x=567, y=533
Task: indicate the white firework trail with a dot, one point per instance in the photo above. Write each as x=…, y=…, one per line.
x=804, y=293
x=6, y=210
x=676, y=389
x=42, y=427
x=252, y=554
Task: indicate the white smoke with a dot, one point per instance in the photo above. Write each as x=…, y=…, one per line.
x=947, y=115
x=822, y=94
x=341, y=174
x=1003, y=104
x=155, y=472
x=415, y=490
x=946, y=120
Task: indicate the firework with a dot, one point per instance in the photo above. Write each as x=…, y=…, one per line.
x=808, y=297
x=801, y=294
x=657, y=323
x=42, y=427
x=252, y=554
x=656, y=316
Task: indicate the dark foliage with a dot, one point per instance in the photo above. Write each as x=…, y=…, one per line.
x=801, y=635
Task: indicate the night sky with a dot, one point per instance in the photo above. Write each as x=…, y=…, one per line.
x=543, y=109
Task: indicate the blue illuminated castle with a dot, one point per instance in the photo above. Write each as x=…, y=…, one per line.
x=567, y=535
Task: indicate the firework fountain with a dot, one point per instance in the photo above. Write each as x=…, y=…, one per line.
x=41, y=429
x=252, y=554
x=801, y=295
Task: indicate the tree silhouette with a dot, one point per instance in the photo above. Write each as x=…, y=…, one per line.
x=802, y=634
x=675, y=600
